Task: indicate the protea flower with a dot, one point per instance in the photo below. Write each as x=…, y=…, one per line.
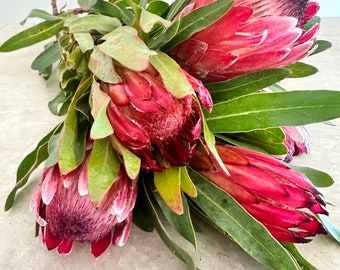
x=252, y=36
x=151, y=122
x=297, y=141
x=283, y=200
x=66, y=213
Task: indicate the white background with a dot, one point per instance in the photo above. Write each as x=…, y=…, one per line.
x=14, y=11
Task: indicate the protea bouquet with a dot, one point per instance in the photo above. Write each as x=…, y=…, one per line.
x=174, y=110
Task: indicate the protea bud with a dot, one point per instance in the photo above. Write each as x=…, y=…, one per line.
x=252, y=36
x=66, y=213
x=283, y=200
x=297, y=141
x=151, y=122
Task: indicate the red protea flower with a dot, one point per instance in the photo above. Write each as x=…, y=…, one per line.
x=297, y=141
x=66, y=213
x=150, y=121
x=282, y=199
x=253, y=35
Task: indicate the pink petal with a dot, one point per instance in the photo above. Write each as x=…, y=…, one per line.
x=51, y=241
x=99, y=247
x=65, y=247
x=50, y=183
x=121, y=232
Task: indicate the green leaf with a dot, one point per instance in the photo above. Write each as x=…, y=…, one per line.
x=101, y=23
x=29, y=164
x=149, y=20
x=197, y=20
x=323, y=45
x=132, y=162
x=32, y=35
x=299, y=70
x=175, y=248
x=168, y=184
x=187, y=185
x=165, y=37
x=172, y=75
x=305, y=265
x=124, y=46
x=318, y=178
x=103, y=168
x=53, y=147
x=331, y=228
x=270, y=140
x=72, y=145
x=182, y=224
x=49, y=56
x=175, y=8
x=266, y=110
x=86, y=4
x=41, y=14
x=251, y=235
x=158, y=7
x=84, y=40
x=246, y=84
x=102, y=67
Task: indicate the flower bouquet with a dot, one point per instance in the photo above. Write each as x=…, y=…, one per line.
x=173, y=111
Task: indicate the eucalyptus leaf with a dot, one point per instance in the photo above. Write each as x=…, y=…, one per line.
x=124, y=46
x=197, y=20
x=168, y=184
x=172, y=75
x=266, y=110
x=102, y=169
x=246, y=84
x=299, y=70
x=251, y=235
x=29, y=164
x=331, y=228
x=171, y=244
x=318, y=178
x=50, y=55
x=32, y=35
x=182, y=223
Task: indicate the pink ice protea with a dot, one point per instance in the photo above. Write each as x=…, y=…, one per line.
x=151, y=122
x=282, y=199
x=65, y=212
x=252, y=36
x=297, y=141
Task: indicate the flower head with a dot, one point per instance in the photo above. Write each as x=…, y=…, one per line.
x=282, y=199
x=66, y=213
x=251, y=36
x=150, y=121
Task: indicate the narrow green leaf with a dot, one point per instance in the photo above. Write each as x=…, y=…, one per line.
x=168, y=184
x=246, y=84
x=102, y=67
x=41, y=14
x=265, y=110
x=182, y=224
x=32, y=35
x=172, y=76
x=124, y=46
x=157, y=7
x=49, y=56
x=197, y=20
x=305, y=265
x=132, y=162
x=251, y=235
x=323, y=45
x=318, y=178
x=175, y=248
x=103, y=168
x=165, y=37
x=187, y=185
x=175, y=8
x=29, y=164
x=71, y=151
x=299, y=70
x=101, y=23
x=84, y=40
x=331, y=228
x=149, y=20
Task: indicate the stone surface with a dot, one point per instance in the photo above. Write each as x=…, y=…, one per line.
x=24, y=119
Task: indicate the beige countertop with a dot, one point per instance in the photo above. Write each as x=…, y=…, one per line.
x=24, y=119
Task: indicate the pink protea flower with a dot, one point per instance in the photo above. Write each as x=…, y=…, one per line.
x=282, y=199
x=151, y=122
x=297, y=141
x=252, y=36
x=66, y=213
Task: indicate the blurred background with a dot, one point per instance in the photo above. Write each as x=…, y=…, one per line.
x=14, y=11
